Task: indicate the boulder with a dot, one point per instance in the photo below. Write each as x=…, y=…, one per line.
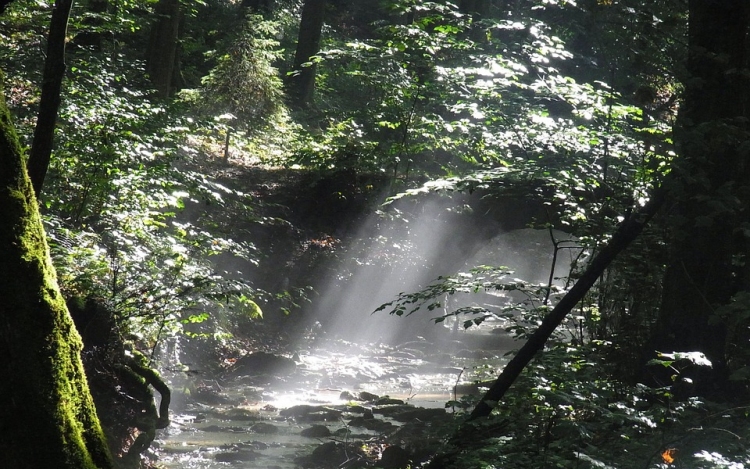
x=263, y=363
x=316, y=431
x=394, y=457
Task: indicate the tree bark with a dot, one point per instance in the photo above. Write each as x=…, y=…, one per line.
x=54, y=71
x=162, y=53
x=302, y=82
x=625, y=234
x=47, y=416
x=710, y=201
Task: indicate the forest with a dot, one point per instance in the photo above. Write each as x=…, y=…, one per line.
x=374, y=233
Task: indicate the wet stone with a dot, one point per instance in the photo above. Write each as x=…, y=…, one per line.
x=237, y=456
x=263, y=363
x=394, y=457
x=316, y=431
x=371, y=424
x=265, y=428
x=237, y=413
x=368, y=396
x=218, y=429
x=330, y=453
x=355, y=409
x=209, y=396
x=420, y=414
x=309, y=413
x=385, y=400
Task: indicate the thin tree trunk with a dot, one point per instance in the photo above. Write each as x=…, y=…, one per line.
x=162, y=53
x=47, y=416
x=54, y=71
x=625, y=234
x=302, y=83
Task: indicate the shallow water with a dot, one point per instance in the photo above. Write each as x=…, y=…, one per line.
x=204, y=436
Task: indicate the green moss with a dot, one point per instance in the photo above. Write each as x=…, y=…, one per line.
x=47, y=416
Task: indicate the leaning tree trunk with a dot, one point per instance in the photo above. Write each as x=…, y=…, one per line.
x=47, y=416
x=625, y=234
x=302, y=82
x=162, y=51
x=54, y=71
x=710, y=201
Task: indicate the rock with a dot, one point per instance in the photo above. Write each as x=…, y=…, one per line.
x=205, y=395
x=385, y=400
x=389, y=410
x=311, y=413
x=371, y=424
x=259, y=445
x=368, y=396
x=394, y=457
x=419, y=414
x=265, y=428
x=316, y=431
x=237, y=413
x=355, y=409
x=236, y=456
x=218, y=429
x=330, y=453
x=347, y=396
x=263, y=363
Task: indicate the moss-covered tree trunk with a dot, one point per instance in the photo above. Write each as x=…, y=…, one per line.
x=47, y=416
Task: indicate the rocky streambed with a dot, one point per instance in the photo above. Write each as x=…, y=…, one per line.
x=334, y=404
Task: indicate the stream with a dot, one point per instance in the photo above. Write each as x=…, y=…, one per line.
x=336, y=391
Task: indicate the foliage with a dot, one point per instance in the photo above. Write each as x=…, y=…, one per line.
x=570, y=104
x=244, y=82
x=124, y=178
x=115, y=194
x=566, y=411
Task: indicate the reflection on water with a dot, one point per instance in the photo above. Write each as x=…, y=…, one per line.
x=247, y=430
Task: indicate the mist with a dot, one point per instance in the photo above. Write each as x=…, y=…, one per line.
x=410, y=249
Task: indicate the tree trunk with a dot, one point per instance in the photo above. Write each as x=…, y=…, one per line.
x=709, y=201
x=54, y=71
x=302, y=83
x=162, y=53
x=479, y=10
x=47, y=416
